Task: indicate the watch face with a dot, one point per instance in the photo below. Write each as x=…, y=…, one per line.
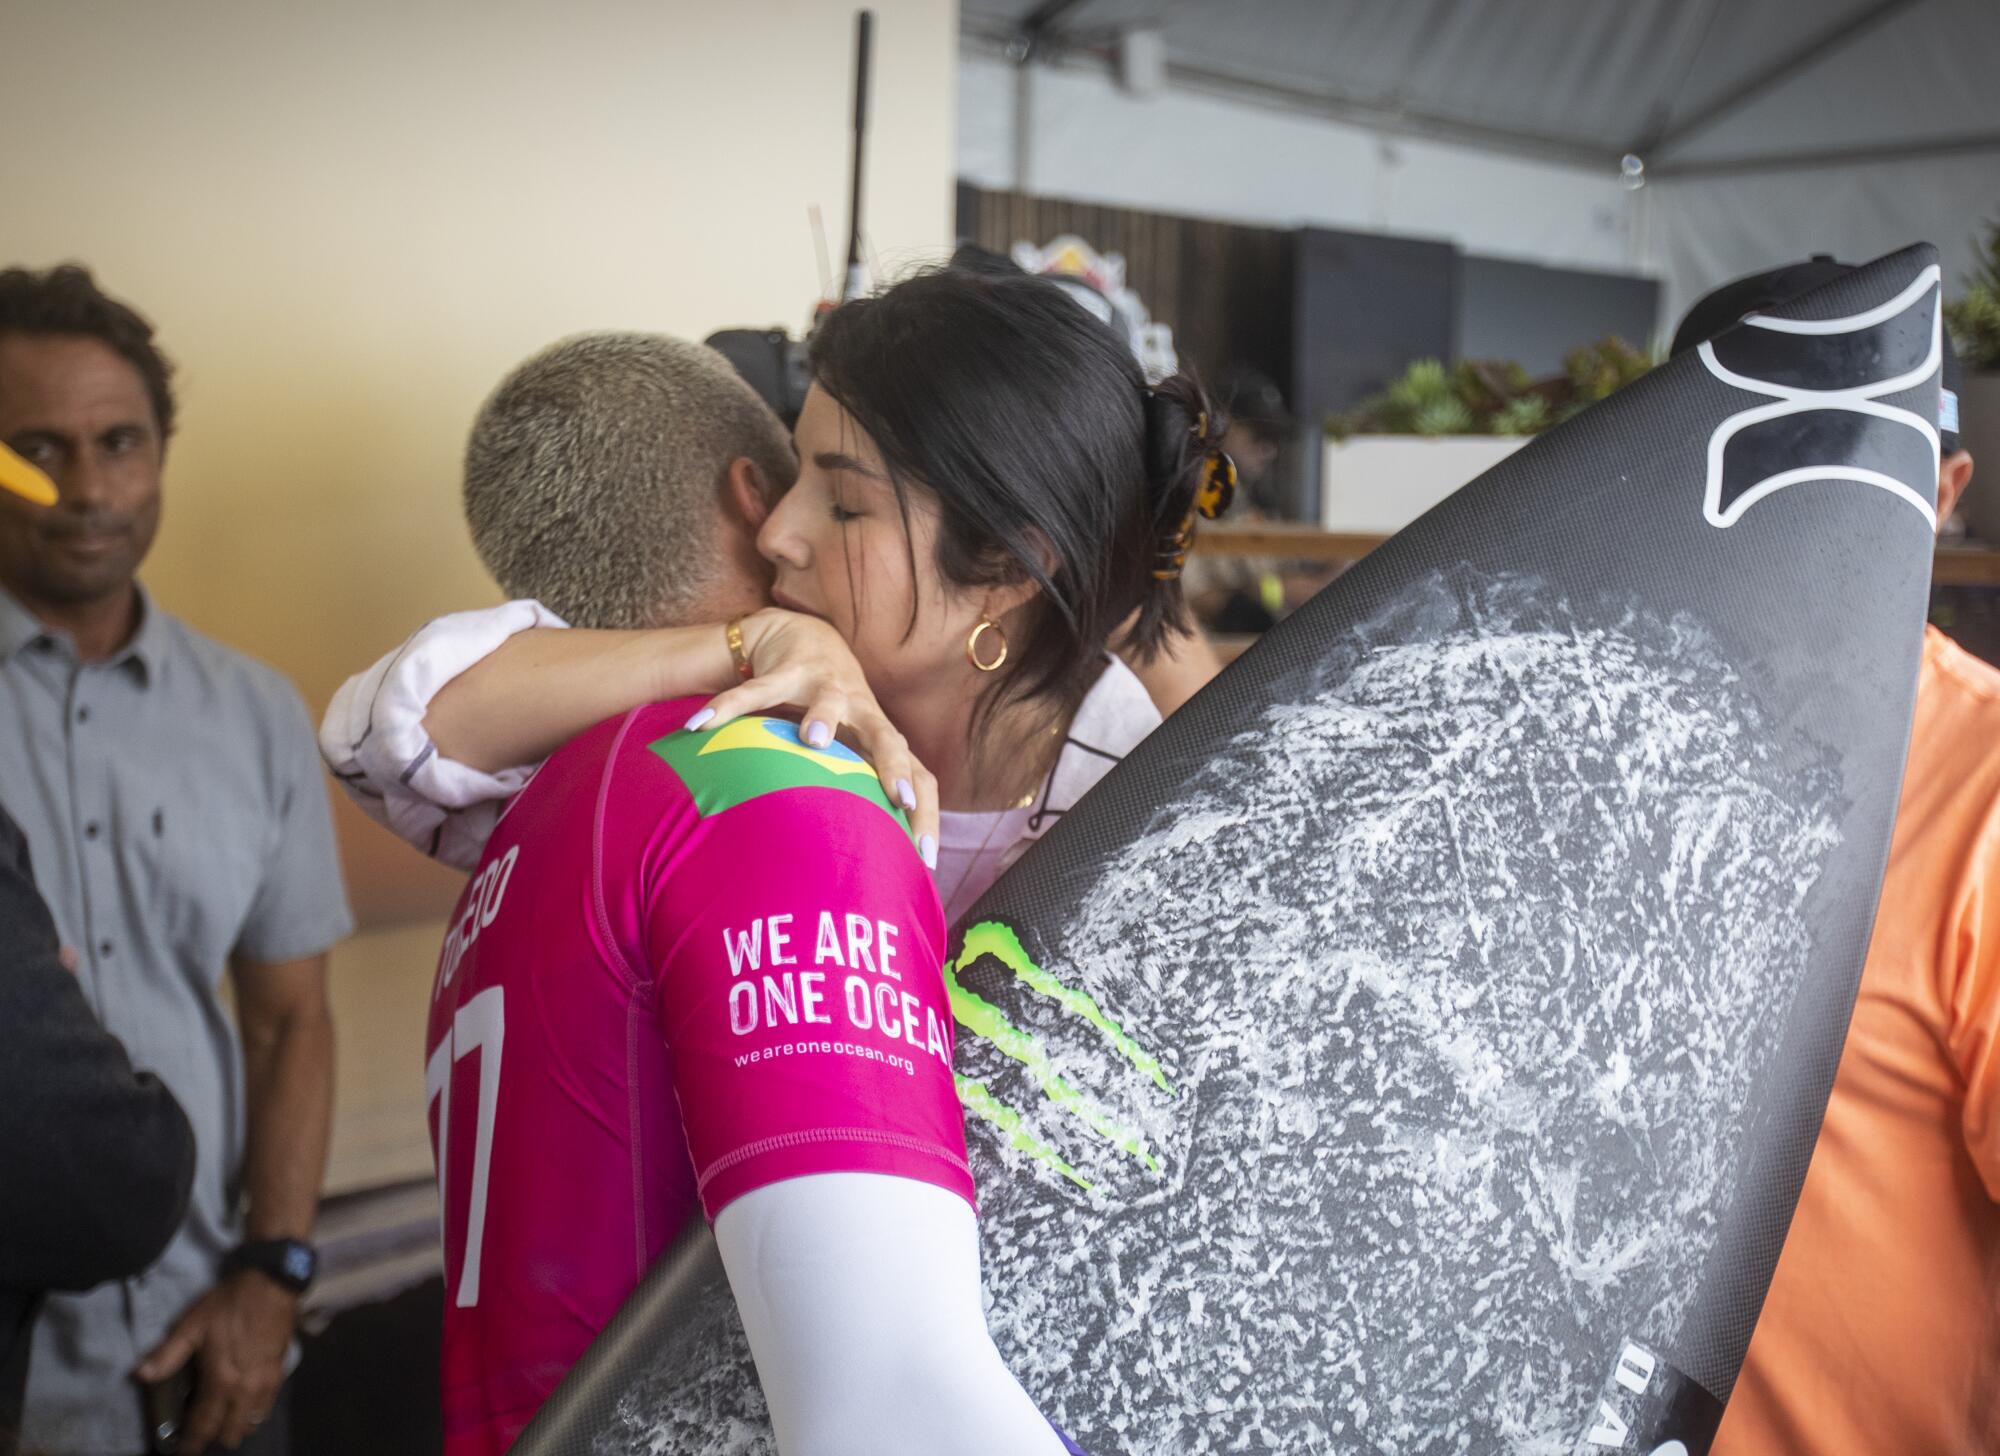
x=299, y=1262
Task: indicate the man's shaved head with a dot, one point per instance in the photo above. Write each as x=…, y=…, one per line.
x=594, y=476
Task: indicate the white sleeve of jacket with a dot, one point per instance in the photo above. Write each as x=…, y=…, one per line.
x=373, y=738
x=860, y=1295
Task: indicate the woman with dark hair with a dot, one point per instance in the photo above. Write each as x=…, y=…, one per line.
x=986, y=491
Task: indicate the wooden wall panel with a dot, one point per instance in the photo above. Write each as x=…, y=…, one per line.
x=1224, y=288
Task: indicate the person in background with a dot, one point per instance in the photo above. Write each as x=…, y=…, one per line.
x=95, y=1159
x=1881, y=1331
x=172, y=794
x=1259, y=426
x=1239, y=595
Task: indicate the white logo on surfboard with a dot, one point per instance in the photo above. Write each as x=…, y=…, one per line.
x=1724, y=501
x=1634, y=1373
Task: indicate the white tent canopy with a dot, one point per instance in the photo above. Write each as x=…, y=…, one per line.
x=1768, y=129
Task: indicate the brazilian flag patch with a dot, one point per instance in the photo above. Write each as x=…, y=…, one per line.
x=740, y=761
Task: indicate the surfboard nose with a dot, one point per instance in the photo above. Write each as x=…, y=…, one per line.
x=1837, y=397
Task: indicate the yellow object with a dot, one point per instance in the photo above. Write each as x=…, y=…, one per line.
x=972, y=645
x=25, y=480
x=734, y=632
x=1271, y=593
x=1218, y=485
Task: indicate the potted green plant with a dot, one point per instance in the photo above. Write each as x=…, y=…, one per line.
x=1402, y=451
x=1974, y=319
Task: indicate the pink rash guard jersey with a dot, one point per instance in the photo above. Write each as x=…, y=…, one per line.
x=688, y=965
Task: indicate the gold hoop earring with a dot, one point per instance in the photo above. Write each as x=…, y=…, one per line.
x=986, y=624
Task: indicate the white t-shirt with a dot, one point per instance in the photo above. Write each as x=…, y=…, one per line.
x=975, y=849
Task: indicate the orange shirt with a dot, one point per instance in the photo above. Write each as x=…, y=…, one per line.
x=1882, y=1330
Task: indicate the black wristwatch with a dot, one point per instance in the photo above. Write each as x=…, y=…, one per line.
x=291, y=1262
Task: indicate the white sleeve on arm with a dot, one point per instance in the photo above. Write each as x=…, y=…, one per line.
x=860, y=1294
x=373, y=738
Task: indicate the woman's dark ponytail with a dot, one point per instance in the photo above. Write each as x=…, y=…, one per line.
x=1182, y=440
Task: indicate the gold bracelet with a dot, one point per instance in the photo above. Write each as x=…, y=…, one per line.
x=733, y=630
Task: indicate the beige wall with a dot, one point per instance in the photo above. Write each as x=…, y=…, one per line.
x=348, y=220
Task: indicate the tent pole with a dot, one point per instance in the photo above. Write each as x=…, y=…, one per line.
x=1844, y=157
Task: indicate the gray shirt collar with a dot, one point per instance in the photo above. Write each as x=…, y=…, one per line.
x=142, y=655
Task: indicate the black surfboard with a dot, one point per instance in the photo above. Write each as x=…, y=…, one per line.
x=1418, y=1043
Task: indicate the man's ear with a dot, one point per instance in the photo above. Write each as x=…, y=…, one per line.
x=1954, y=475
x=747, y=492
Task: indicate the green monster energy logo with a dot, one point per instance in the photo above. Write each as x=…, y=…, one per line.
x=982, y=1018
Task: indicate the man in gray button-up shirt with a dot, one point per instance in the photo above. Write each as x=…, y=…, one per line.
x=172, y=793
